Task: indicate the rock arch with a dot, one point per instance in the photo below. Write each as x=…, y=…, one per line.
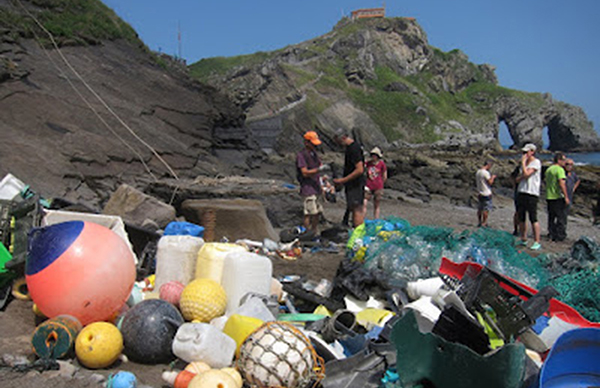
x=568, y=126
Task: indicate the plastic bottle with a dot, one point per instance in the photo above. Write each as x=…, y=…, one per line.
x=176, y=259
x=245, y=272
x=179, y=379
x=203, y=342
x=211, y=258
x=55, y=337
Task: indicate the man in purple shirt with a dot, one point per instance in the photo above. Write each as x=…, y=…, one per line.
x=309, y=165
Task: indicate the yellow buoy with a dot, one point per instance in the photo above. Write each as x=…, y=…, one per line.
x=213, y=378
x=197, y=367
x=203, y=300
x=98, y=345
x=235, y=374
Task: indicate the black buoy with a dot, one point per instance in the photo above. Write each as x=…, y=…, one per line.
x=148, y=330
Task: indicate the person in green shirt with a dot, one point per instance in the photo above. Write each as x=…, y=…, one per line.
x=557, y=198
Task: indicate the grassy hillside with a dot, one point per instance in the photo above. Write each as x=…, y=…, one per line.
x=415, y=108
x=71, y=22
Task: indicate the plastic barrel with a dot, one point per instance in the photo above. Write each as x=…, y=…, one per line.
x=574, y=361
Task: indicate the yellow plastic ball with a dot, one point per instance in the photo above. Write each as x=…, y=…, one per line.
x=98, y=345
x=203, y=300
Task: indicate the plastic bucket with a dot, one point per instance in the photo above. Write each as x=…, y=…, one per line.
x=574, y=361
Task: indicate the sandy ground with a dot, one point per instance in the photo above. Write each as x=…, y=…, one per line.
x=18, y=322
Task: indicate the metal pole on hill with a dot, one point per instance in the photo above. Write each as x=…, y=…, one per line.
x=179, y=41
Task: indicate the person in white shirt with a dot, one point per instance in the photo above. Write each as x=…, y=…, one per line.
x=484, y=180
x=528, y=193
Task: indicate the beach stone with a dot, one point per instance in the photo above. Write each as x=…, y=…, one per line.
x=138, y=208
x=66, y=371
x=97, y=378
x=231, y=218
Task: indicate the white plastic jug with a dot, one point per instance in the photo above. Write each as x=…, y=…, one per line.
x=176, y=259
x=203, y=342
x=211, y=258
x=245, y=272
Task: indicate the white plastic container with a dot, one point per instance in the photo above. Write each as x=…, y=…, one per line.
x=203, y=342
x=114, y=223
x=211, y=259
x=176, y=259
x=245, y=272
x=10, y=187
x=424, y=287
x=426, y=313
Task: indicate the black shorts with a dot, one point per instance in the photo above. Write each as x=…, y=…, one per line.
x=485, y=203
x=527, y=203
x=355, y=196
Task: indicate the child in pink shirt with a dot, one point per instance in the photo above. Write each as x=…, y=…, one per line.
x=376, y=177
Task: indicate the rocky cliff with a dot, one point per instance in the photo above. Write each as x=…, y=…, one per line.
x=99, y=110
x=381, y=78
x=85, y=107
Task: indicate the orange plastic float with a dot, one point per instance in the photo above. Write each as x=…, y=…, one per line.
x=79, y=268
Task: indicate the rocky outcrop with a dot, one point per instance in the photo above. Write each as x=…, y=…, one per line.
x=567, y=125
x=383, y=80
x=61, y=139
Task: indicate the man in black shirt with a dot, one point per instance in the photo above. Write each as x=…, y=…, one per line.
x=353, y=179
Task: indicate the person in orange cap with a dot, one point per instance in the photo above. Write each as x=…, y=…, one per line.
x=308, y=166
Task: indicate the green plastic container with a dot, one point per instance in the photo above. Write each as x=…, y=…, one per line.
x=428, y=357
x=5, y=257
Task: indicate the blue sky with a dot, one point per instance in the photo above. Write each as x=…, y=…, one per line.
x=536, y=45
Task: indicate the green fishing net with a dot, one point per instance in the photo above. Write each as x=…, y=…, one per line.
x=407, y=253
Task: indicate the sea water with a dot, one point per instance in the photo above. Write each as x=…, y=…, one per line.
x=580, y=158
x=592, y=158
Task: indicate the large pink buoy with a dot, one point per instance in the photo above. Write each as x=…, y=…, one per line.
x=79, y=268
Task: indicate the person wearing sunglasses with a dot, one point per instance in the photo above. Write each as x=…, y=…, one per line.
x=572, y=181
x=528, y=193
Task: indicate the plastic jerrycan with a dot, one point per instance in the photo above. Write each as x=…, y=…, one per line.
x=211, y=259
x=204, y=342
x=245, y=272
x=176, y=259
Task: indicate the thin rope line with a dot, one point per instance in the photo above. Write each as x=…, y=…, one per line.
x=96, y=94
x=89, y=105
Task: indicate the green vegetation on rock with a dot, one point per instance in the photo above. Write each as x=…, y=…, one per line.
x=384, y=77
x=71, y=22
x=207, y=67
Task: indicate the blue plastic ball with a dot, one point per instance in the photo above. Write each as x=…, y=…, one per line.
x=122, y=380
